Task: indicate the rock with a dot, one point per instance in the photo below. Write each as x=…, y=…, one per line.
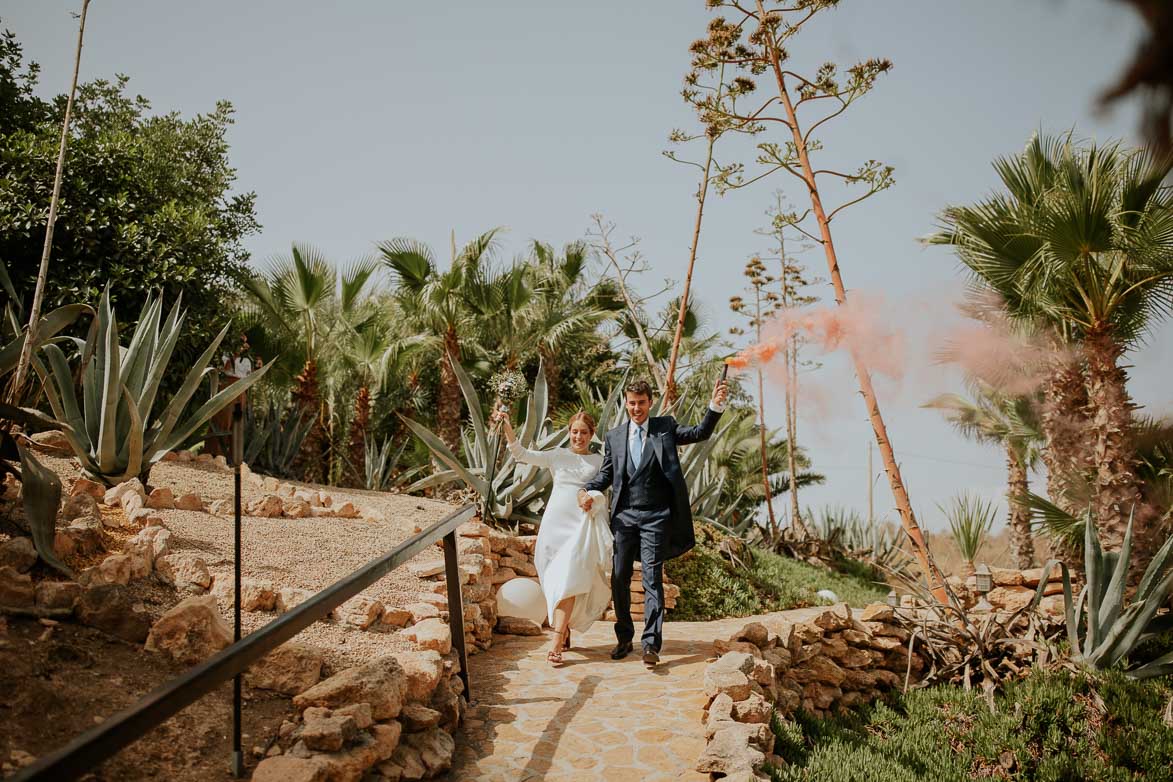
x=268, y=507
x=435, y=748
x=290, y=669
x=257, y=595
x=190, y=632
x=184, y=571
x=754, y=709
x=80, y=506
x=1033, y=576
x=52, y=442
x=416, y=717
x=189, y=501
x=501, y=575
x=878, y=612
x=296, y=508
x=87, y=487
x=288, y=597
x=721, y=647
x=161, y=498
x=361, y=712
x=346, y=510
x=19, y=554
x=114, y=495
x=1006, y=576
x=285, y=768
x=151, y=543
x=326, y=732
x=407, y=763
x=819, y=669
x=427, y=568
x=397, y=617
x=109, y=608
x=16, y=589
x=55, y=595
x=379, y=683
x=351, y=764
x=831, y=621
x=754, y=633
x=736, y=748
x=225, y=508
x=430, y=634
x=730, y=674
x=143, y=517
x=1010, y=598
x=361, y=611
x=423, y=671
x=115, y=569
x=515, y=625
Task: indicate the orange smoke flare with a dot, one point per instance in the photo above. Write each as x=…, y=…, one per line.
x=758, y=354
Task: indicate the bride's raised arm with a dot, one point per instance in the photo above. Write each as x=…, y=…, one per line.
x=525, y=455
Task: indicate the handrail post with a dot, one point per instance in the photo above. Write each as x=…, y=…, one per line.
x=456, y=608
x=237, y=458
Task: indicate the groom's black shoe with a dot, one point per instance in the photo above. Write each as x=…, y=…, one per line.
x=621, y=650
x=651, y=657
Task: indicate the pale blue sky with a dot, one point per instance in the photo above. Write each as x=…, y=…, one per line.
x=360, y=121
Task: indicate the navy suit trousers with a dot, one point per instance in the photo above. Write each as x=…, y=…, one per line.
x=641, y=534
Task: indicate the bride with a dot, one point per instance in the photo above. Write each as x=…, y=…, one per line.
x=573, y=551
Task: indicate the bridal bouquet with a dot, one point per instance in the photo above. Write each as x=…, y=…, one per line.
x=508, y=386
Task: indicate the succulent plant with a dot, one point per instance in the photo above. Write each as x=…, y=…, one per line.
x=113, y=429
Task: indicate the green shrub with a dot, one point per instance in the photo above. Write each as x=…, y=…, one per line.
x=712, y=588
x=1049, y=726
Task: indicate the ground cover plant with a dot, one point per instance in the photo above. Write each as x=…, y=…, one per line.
x=1048, y=726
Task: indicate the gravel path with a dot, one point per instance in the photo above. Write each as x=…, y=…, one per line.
x=308, y=553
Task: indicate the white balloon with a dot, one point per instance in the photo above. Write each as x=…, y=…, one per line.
x=522, y=597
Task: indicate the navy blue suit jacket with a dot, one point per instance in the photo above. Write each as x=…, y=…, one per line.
x=664, y=435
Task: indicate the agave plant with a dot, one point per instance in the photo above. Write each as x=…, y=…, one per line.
x=380, y=463
x=507, y=490
x=114, y=430
x=970, y=520
x=273, y=441
x=1103, y=627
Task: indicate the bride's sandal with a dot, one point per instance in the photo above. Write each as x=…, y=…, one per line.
x=554, y=656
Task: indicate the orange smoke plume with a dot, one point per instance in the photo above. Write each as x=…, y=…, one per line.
x=754, y=355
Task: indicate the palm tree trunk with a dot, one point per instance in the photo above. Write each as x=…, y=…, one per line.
x=1064, y=421
x=1117, y=488
x=356, y=447
x=932, y=573
x=553, y=376
x=766, y=459
x=1022, y=544
x=797, y=527
x=26, y=350
x=448, y=414
x=307, y=400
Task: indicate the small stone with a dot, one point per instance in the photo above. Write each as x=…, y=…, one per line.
x=290, y=669
x=87, y=487
x=151, y=543
x=736, y=748
x=435, y=748
x=52, y=442
x=379, y=683
x=422, y=611
x=19, y=554
x=361, y=712
x=131, y=502
x=416, y=717
x=190, y=632
x=288, y=597
x=327, y=733
x=754, y=633
x=878, y=612
x=514, y=625
x=109, y=608
x=346, y=510
x=223, y=508
x=115, y=569
x=57, y=595
x=730, y=674
x=423, y=671
x=397, y=617
x=287, y=768
x=189, y=501
x=184, y=572
x=22, y=759
x=80, y=506
x=361, y=611
x=430, y=634
x=161, y=498
x=16, y=589
x=257, y=595
x=270, y=506
x=296, y=508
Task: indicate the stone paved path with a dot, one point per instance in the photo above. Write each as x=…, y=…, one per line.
x=593, y=718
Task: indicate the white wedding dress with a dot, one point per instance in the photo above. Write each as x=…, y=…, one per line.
x=573, y=551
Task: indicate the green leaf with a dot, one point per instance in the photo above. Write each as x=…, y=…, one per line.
x=41, y=492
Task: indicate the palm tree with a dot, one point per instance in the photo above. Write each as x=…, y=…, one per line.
x=365, y=353
x=1010, y=422
x=1083, y=244
x=303, y=301
x=442, y=308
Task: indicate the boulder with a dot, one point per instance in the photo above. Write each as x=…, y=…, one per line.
x=189, y=501
x=721, y=647
x=80, y=506
x=52, y=442
x=286, y=768
x=270, y=506
x=435, y=748
x=515, y=625
x=427, y=568
x=1010, y=598
x=833, y=620
x=19, y=554
x=325, y=731
x=16, y=589
x=878, y=612
x=754, y=633
x=257, y=595
x=417, y=717
x=151, y=543
x=379, y=683
x=58, y=595
x=184, y=572
x=87, y=487
x=288, y=597
x=161, y=498
x=397, y=617
x=754, y=709
x=736, y=748
x=296, y=508
x=115, y=569
x=423, y=671
x=730, y=674
x=350, y=764
x=290, y=669
x=361, y=712
x=1006, y=576
x=81, y=538
x=109, y=608
x=190, y=632
x=361, y=611
x=430, y=634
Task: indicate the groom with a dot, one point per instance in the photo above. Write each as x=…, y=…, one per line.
x=651, y=516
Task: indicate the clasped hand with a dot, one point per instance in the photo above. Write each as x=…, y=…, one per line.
x=585, y=501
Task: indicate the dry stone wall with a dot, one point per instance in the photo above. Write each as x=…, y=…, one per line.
x=840, y=659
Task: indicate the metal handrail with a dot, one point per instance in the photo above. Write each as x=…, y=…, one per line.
x=96, y=745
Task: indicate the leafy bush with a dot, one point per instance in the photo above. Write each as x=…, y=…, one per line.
x=712, y=588
x=1048, y=726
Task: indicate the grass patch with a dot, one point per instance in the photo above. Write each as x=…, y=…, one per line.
x=711, y=588
x=1047, y=727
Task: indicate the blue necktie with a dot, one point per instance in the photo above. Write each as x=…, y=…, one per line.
x=637, y=447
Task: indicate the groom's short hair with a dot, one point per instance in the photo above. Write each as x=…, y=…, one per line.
x=640, y=387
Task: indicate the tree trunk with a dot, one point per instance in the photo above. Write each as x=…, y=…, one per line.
x=765, y=460
x=448, y=414
x=1064, y=421
x=26, y=350
x=356, y=447
x=307, y=401
x=797, y=526
x=1117, y=487
x=553, y=376
x=929, y=568
x=1022, y=543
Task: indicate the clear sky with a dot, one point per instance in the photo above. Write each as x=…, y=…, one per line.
x=361, y=121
